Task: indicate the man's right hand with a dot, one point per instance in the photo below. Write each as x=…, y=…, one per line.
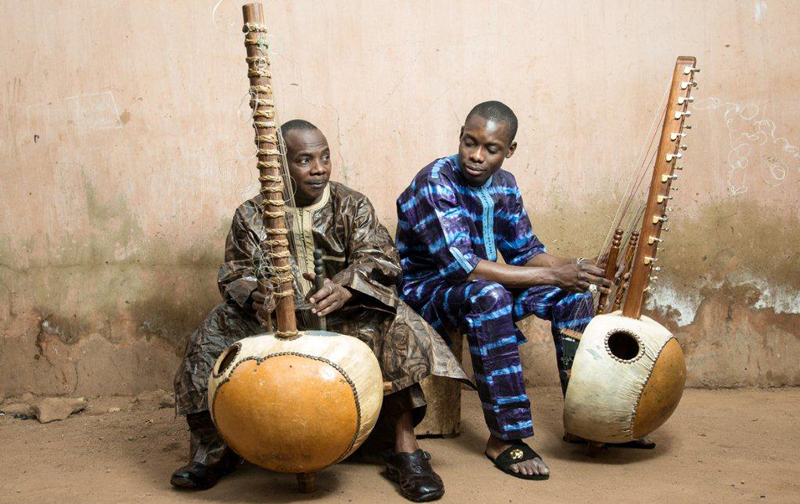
x=578, y=277
x=261, y=305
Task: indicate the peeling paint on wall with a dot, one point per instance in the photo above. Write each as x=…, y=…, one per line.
x=760, y=10
x=683, y=303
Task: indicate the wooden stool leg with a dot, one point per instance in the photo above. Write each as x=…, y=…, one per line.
x=306, y=482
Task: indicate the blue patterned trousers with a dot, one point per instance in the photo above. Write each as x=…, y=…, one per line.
x=486, y=312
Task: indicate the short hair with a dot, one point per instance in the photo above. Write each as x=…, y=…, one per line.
x=296, y=124
x=498, y=112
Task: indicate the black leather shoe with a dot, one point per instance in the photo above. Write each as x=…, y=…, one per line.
x=197, y=476
x=412, y=471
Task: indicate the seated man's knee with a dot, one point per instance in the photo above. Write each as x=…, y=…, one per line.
x=487, y=296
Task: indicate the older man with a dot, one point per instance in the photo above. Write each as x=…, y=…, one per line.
x=359, y=298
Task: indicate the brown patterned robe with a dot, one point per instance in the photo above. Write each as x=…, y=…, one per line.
x=358, y=253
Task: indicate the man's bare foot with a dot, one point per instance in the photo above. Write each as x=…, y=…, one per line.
x=495, y=446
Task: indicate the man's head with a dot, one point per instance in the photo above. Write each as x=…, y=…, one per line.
x=486, y=140
x=309, y=160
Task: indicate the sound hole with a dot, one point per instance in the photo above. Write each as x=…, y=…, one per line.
x=623, y=345
x=229, y=355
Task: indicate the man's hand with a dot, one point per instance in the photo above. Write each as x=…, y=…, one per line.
x=261, y=306
x=601, y=260
x=329, y=298
x=578, y=277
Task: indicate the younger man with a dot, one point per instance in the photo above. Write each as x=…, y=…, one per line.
x=453, y=219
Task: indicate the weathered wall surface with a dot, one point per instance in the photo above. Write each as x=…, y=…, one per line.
x=125, y=148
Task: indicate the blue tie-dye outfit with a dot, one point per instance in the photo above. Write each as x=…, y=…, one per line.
x=445, y=227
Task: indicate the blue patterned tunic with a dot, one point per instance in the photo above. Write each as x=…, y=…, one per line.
x=445, y=227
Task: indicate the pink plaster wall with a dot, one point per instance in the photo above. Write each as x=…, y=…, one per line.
x=125, y=148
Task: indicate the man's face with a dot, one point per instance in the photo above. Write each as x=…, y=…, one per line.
x=309, y=160
x=483, y=146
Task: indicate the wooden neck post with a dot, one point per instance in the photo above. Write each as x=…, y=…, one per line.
x=270, y=163
x=668, y=160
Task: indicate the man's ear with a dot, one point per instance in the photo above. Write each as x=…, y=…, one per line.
x=511, y=149
x=461, y=133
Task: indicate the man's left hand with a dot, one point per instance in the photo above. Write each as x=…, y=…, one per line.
x=329, y=298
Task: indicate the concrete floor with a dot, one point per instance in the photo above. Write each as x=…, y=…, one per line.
x=720, y=446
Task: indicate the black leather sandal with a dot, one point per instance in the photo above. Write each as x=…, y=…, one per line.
x=197, y=476
x=514, y=454
x=413, y=473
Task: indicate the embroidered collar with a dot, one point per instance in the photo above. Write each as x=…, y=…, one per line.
x=326, y=196
x=487, y=217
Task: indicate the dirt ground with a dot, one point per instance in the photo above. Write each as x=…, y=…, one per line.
x=720, y=446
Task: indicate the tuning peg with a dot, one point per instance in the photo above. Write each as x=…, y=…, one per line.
x=660, y=218
x=679, y=167
x=687, y=70
x=654, y=278
x=657, y=268
x=680, y=114
x=672, y=156
x=649, y=260
x=670, y=209
x=653, y=240
x=665, y=230
x=662, y=198
x=675, y=136
x=666, y=178
x=673, y=188
x=684, y=99
x=686, y=84
x=687, y=126
x=684, y=147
